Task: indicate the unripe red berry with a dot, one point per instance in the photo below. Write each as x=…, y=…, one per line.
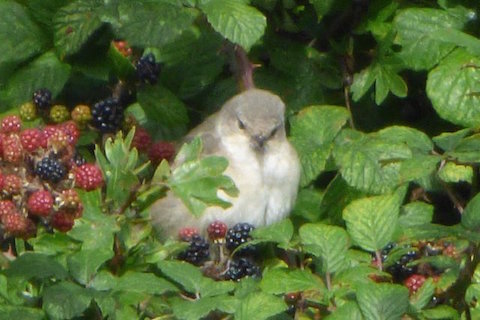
x=40, y=203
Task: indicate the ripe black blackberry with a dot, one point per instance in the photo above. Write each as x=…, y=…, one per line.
x=238, y=234
x=107, y=115
x=197, y=252
x=242, y=267
x=50, y=169
x=42, y=98
x=399, y=270
x=148, y=69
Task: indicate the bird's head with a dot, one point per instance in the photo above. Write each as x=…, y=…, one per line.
x=256, y=115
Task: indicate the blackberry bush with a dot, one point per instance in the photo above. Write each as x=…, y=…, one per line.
x=381, y=104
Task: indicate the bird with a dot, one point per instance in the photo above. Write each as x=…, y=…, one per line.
x=249, y=131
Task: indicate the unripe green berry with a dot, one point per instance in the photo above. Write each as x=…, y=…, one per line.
x=59, y=113
x=81, y=114
x=28, y=111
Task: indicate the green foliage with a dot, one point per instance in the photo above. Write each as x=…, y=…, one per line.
x=382, y=107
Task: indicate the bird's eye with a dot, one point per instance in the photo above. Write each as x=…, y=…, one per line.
x=241, y=125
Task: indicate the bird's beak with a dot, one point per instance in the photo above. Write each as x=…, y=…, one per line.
x=259, y=141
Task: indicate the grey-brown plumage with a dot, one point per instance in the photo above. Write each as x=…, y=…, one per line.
x=249, y=131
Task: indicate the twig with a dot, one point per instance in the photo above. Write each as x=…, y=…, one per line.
x=378, y=258
x=453, y=197
x=347, y=74
x=244, y=68
x=346, y=93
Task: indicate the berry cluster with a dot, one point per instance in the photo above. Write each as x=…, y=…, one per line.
x=38, y=173
x=156, y=151
x=219, y=253
x=412, y=268
x=105, y=115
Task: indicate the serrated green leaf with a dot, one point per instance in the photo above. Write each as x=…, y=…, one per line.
x=382, y=301
x=94, y=221
x=337, y=196
x=471, y=214
x=20, y=37
x=424, y=295
x=65, y=300
x=441, y=312
x=185, y=274
x=150, y=23
x=416, y=140
x=34, y=265
x=385, y=78
x=418, y=167
x=415, y=26
x=46, y=71
x=358, y=275
x=193, y=310
x=453, y=87
x=349, y=310
x=142, y=282
x=467, y=149
x=312, y=132
x=74, y=24
x=280, y=233
x=238, y=22
x=19, y=312
x=368, y=163
x=84, y=264
x=371, y=222
x=415, y=214
x=259, y=306
x=329, y=243
x=196, y=181
x=42, y=11
x=163, y=107
x=52, y=244
x=103, y=281
x=448, y=141
x=118, y=167
x=452, y=172
x=281, y=281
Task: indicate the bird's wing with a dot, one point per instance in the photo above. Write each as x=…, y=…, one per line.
x=206, y=131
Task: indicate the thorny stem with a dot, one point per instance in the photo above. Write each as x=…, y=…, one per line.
x=453, y=197
x=457, y=202
x=346, y=93
x=244, y=68
x=347, y=73
x=328, y=280
x=378, y=257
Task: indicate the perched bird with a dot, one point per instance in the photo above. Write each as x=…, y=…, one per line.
x=249, y=131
